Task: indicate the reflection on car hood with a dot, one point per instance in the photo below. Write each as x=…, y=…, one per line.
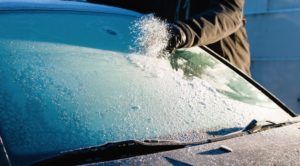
x=260, y=148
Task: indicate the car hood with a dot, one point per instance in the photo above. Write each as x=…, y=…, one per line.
x=279, y=146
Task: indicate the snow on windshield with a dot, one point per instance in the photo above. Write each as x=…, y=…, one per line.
x=60, y=93
x=74, y=96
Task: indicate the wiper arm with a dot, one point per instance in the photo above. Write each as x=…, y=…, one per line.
x=130, y=148
x=256, y=126
x=111, y=151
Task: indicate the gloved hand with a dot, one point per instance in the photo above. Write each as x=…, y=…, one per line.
x=177, y=38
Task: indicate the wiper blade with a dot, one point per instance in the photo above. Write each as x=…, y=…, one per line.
x=111, y=151
x=131, y=148
x=123, y=149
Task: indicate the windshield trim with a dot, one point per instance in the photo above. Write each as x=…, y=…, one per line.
x=251, y=81
x=3, y=153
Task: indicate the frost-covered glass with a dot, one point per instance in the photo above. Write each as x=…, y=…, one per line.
x=67, y=80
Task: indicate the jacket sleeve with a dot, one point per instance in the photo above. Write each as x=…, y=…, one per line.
x=221, y=20
x=148, y=6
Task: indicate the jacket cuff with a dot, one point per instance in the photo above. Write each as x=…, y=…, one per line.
x=184, y=31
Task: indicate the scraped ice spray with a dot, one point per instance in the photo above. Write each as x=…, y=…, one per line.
x=151, y=36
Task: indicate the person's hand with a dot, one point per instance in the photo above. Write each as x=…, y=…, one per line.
x=177, y=38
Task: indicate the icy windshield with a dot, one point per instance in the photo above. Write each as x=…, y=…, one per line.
x=69, y=80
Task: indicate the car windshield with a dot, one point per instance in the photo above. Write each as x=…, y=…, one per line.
x=69, y=80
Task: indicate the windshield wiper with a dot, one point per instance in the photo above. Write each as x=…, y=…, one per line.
x=111, y=151
x=131, y=148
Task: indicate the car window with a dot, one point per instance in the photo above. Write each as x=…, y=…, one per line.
x=69, y=80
